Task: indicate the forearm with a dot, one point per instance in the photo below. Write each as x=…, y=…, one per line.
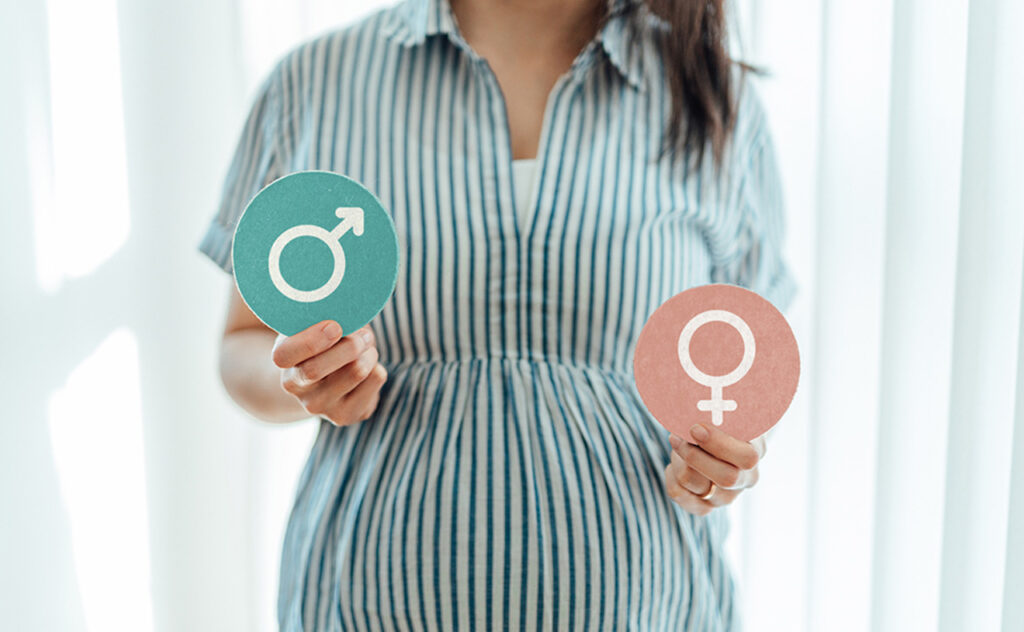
x=251, y=378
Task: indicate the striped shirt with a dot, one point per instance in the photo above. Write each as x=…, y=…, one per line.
x=511, y=477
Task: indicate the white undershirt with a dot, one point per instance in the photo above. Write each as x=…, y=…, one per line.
x=524, y=175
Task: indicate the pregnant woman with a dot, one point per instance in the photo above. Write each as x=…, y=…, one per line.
x=555, y=171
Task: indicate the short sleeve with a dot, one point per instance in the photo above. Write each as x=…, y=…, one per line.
x=757, y=261
x=254, y=165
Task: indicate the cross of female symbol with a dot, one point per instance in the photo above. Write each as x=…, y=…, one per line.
x=717, y=404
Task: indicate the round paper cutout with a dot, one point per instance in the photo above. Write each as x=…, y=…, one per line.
x=314, y=246
x=719, y=355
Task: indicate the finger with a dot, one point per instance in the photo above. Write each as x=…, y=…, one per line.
x=368, y=335
x=753, y=476
x=723, y=497
x=685, y=498
x=725, y=447
x=360, y=403
x=346, y=350
x=327, y=397
x=372, y=385
x=725, y=475
x=697, y=484
x=322, y=396
x=372, y=407
x=761, y=446
x=689, y=478
x=350, y=376
x=291, y=350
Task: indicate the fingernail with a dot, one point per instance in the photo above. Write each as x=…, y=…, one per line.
x=675, y=441
x=699, y=433
x=332, y=329
x=368, y=337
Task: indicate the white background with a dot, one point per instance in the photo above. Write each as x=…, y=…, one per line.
x=135, y=496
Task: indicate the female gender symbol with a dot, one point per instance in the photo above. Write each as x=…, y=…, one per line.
x=717, y=382
x=696, y=327
x=350, y=218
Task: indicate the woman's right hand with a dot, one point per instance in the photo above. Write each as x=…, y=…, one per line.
x=333, y=376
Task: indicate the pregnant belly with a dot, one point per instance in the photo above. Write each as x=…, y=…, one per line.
x=499, y=494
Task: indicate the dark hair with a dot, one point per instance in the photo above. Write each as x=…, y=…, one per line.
x=700, y=76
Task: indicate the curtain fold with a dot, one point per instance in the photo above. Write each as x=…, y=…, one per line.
x=925, y=157
x=987, y=324
x=1013, y=609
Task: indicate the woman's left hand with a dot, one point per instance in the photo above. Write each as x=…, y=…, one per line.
x=718, y=459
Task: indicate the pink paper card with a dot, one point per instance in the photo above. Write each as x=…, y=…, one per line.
x=719, y=355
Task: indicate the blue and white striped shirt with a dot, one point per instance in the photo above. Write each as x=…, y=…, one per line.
x=511, y=477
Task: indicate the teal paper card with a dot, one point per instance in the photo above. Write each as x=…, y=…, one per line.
x=315, y=246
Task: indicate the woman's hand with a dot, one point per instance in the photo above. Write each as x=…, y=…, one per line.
x=334, y=377
x=718, y=459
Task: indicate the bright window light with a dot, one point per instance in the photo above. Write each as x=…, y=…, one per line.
x=96, y=431
x=84, y=219
x=267, y=38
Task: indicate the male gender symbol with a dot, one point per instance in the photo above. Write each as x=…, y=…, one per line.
x=351, y=217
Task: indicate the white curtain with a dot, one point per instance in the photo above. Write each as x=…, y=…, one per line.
x=135, y=496
x=885, y=506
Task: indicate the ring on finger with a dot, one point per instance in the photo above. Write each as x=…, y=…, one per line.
x=710, y=493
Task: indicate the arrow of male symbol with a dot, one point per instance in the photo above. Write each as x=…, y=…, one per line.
x=351, y=217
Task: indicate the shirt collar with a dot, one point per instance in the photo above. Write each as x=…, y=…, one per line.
x=624, y=39
x=413, y=21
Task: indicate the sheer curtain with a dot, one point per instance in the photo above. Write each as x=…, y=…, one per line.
x=136, y=497
x=899, y=128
